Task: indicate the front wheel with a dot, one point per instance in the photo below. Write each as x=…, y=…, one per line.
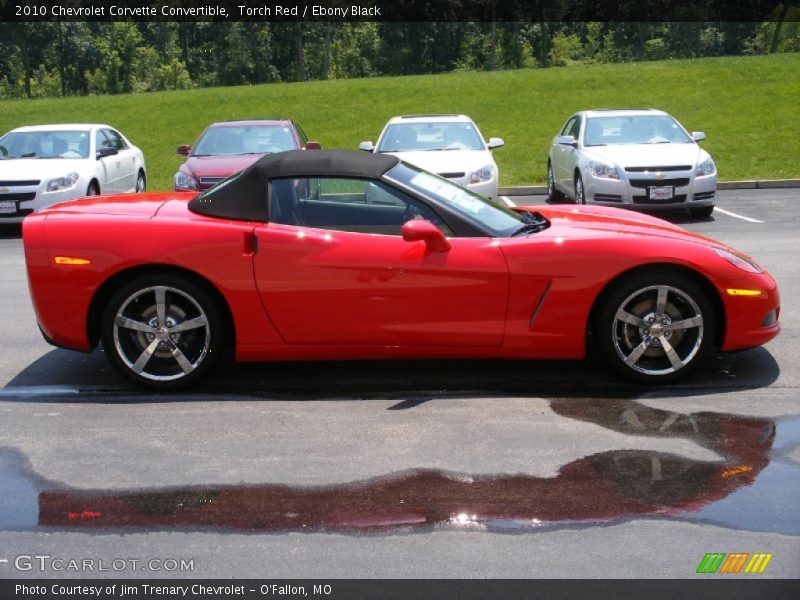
x=553, y=195
x=580, y=192
x=162, y=331
x=656, y=327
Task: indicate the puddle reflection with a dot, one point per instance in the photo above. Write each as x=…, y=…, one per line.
x=601, y=488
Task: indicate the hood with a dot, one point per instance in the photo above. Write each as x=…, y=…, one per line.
x=583, y=221
x=648, y=155
x=219, y=166
x=129, y=205
x=447, y=161
x=18, y=169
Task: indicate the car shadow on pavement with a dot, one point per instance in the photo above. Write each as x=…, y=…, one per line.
x=76, y=377
x=10, y=231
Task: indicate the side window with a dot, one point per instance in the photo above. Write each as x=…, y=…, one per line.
x=101, y=141
x=354, y=205
x=575, y=129
x=568, y=126
x=115, y=139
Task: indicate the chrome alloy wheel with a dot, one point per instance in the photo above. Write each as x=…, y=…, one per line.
x=161, y=333
x=657, y=330
x=580, y=192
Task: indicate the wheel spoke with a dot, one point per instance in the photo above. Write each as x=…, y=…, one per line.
x=181, y=359
x=144, y=357
x=634, y=356
x=631, y=319
x=161, y=305
x=135, y=325
x=200, y=321
x=661, y=300
x=673, y=357
x=685, y=324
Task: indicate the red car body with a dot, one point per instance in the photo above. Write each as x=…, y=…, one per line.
x=298, y=292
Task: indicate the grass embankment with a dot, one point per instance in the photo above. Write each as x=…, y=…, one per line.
x=748, y=107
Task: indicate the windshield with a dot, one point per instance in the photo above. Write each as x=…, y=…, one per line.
x=640, y=129
x=45, y=144
x=500, y=220
x=432, y=135
x=250, y=139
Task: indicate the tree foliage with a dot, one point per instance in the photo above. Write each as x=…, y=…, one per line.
x=73, y=58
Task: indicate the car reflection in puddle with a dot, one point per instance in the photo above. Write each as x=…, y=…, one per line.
x=601, y=488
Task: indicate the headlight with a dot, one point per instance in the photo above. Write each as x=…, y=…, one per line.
x=184, y=181
x=706, y=168
x=62, y=183
x=483, y=174
x=599, y=169
x=742, y=262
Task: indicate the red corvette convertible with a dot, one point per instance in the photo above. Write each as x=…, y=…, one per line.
x=344, y=255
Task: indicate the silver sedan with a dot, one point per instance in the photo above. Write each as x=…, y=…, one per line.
x=640, y=159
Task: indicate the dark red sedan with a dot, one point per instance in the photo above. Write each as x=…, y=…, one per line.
x=227, y=147
x=345, y=255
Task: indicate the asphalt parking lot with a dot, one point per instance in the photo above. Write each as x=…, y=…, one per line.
x=408, y=469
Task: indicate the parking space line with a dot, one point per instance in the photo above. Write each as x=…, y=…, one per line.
x=736, y=215
x=507, y=200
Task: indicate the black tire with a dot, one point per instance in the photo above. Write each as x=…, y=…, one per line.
x=634, y=342
x=162, y=352
x=701, y=213
x=553, y=195
x=93, y=189
x=141, y=182
x=580, y=191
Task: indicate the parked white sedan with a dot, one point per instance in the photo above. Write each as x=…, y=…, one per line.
x=45, y=164
x=449, y=145
x=633, y=159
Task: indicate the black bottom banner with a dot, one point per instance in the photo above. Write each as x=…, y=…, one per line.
x=396, y=589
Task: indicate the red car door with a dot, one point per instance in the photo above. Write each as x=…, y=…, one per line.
x=322, y=286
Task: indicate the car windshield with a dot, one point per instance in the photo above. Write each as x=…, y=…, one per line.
x=500, y=220
x=636, y=129
x=45, y=144
x=250, y=139
x=430, y=135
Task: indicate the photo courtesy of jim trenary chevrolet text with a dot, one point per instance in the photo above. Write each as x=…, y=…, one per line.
x=358, y=299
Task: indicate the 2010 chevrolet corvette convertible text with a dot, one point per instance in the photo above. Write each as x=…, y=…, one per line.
x=344, y=255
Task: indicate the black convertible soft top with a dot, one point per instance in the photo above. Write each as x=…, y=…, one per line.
x=244, y=197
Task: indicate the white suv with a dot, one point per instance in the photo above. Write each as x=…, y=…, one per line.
x=449, y=145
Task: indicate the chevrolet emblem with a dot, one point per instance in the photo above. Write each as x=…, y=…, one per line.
x=4, y=190
x=660, y=176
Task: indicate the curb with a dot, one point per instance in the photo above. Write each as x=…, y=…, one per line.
x=541, y=190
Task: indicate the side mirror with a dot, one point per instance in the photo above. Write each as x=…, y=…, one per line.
x=313, y=146
x=366, y=146
x=698, y=135
x=184, y=150
x=567, y=140
x=106, y=151
x=415, y=230
x=495, y=143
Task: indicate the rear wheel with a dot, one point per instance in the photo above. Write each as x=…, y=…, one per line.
x=141, y=182
x=580, y=192
x=656, y=327
x=162, y=331
x=553, y=195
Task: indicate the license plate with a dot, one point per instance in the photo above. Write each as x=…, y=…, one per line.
x=7, y=207
x=661, y=193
